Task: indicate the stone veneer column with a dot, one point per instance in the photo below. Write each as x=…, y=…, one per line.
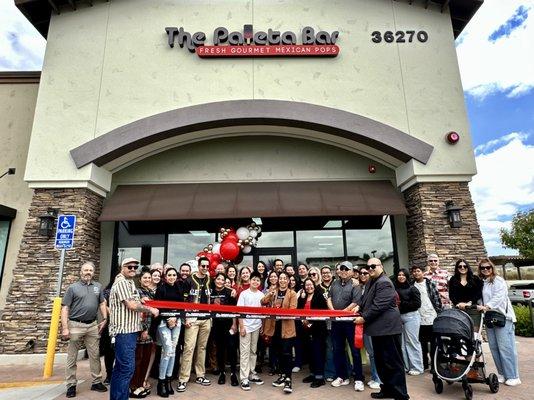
x=428, y=227
x=29, y=302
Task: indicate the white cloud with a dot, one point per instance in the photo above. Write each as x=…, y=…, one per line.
x=21, y=46
x=504, y=184
x=503, y=65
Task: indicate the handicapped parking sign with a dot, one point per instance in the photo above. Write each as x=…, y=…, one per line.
x=65, y=231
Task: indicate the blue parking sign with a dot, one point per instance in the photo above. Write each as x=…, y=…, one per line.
x=65, y=231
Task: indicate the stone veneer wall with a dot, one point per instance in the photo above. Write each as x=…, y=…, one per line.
x=428, y=227
x=29, y=303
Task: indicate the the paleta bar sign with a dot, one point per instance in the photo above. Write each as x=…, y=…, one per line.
x=256, y=44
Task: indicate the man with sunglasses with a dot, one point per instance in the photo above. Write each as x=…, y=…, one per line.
x=381, y=318
x=124, y=325
x=197, y=330
x=343, y=295
x=439, y=276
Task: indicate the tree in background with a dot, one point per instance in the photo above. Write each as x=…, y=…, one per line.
x=521, y=236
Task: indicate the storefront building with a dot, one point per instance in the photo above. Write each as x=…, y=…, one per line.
x=158, y=123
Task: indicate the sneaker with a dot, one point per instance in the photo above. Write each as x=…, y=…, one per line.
x=501, y=378
x=181, y=387
x=340, y=382
x=309, y=379
x=359, y=386
x=99, y=387
x=317, y=383
x=245, y=385
x=373, y=384
x=295, y=369
x=513, y=382
x=329, y=379
x=256, y=379
x=233, y=380
x=288, y=388
x=201, y=380
x=414, y=372
x=71, y=391
x=280, y=381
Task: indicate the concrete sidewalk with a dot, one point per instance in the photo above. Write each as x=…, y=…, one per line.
x=420, y=387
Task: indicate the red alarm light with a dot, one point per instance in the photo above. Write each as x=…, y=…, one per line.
x=453, y=137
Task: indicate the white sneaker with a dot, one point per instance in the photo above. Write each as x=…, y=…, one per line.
x=373, y=384
x=359, y=386
x=340, y=382
x=501, y=378
x=329, y=379
x=413, y=372
x=513, y=382
x=295, y=369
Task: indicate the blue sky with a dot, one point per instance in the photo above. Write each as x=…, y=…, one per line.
x=496, y=59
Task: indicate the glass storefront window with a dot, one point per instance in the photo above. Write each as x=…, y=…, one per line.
x=276, y=239
x=365, y=243
x=4, y=231
x=184, y=247
x=317, y=248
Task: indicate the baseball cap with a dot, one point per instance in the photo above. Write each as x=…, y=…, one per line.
x=346, y=264
x=129, y=260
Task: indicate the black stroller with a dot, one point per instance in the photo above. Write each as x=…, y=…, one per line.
x=458, y=356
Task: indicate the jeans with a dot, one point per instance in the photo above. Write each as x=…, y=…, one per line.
x=168, y=337
x=503, y=349
x=368, y=344
x=343, y=332
x=123, y=370
x=329, y=368
x=411, y=346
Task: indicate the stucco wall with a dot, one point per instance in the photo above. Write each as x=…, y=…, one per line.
x=17, y=106
x=109, y=64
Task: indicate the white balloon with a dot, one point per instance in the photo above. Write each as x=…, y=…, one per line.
x=242, y=233
x=253, y=233
x=247, y=249
x=216, y=248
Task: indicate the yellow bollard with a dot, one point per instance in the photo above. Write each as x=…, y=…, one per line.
x=52, y=339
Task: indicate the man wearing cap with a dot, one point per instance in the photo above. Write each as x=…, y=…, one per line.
x=79, y=309
x=343, y=295
x=382, y=322
x=124, y=326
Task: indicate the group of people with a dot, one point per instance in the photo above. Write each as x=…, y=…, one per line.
x=397, y=314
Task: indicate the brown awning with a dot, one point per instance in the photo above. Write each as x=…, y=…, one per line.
x=246, y=200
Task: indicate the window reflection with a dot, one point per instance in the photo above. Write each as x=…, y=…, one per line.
x=276, y=239
x=317, y=248
x=363, y=244
x=185, y=246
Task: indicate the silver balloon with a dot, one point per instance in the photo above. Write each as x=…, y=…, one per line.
x=247, y=249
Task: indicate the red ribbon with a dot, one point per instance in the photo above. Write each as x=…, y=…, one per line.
x=269, y=311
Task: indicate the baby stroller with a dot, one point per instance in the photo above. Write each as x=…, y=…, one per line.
x=458, y=356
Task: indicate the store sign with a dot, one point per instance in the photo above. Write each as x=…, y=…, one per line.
x=256, y=44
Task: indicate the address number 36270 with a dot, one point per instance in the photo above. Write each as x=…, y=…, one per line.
x=399, y=36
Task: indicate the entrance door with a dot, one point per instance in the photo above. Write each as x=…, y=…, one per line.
x=269, y=254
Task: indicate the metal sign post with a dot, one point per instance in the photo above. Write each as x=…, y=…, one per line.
x=66, y=224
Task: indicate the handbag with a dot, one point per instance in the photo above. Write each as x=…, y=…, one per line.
x=494, y=319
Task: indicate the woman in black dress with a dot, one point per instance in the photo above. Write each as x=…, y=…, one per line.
x=465, y=288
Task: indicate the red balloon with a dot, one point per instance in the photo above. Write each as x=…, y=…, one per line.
x=216, y=258
x=238, y=259
x=201, y=254
x=231, y=237
x=229, y=249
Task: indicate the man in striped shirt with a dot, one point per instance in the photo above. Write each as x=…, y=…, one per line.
x=124, y=326
x=439, y=276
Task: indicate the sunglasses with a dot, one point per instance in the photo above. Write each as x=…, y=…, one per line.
x=462, y=266
x=313, y=274
x=131, y=267
x=364, y=273
x=205, y=265
x=485, y=268
x=432, y=260
x=343, y=268
x=373, y=266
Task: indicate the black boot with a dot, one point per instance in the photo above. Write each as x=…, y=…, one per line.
x=162, y=388
x=168, y=385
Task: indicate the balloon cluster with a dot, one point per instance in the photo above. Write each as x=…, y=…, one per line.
x=232, y=245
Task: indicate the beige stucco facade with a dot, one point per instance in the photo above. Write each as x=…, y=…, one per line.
x=109, y=65
x=17, y=105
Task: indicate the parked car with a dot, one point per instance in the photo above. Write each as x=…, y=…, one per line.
x=521, y=293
